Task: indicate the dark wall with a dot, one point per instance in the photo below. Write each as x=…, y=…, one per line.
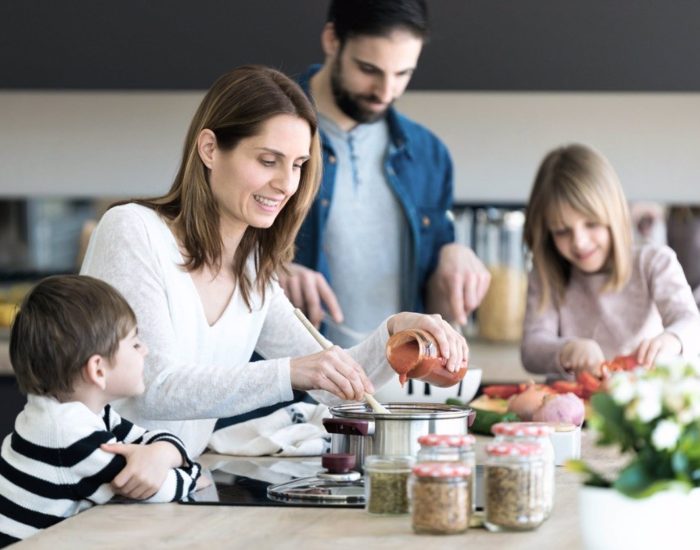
x=647, y=45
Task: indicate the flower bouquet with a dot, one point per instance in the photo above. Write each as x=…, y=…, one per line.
x=654, y=418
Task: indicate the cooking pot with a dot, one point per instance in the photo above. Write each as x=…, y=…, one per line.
x=356, y=430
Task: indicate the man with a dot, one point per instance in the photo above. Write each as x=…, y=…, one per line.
x=379, y=238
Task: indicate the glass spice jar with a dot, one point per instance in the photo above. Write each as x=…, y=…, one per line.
x=386, y=484
x=414, y=353
x=514, y=477
x=440, y=497
x=540, y=434
x=450, y=448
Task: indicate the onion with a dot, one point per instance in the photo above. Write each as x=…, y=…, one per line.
x=563, y=407
x=527, y=402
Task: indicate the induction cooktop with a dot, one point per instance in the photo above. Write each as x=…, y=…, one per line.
x=245, y=482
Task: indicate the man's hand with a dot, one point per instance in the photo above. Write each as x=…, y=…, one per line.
x=458, y=284
x=582, y=354
x=146, y=467
x=308, y=289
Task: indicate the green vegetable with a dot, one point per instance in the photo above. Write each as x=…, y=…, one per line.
x=485, y=419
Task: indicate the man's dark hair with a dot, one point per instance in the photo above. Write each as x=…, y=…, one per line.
x=353, y=18
x=61, y=323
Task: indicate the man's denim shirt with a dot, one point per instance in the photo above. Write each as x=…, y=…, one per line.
x=419, y=170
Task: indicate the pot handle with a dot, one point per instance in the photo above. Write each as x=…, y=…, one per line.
x=348, y=426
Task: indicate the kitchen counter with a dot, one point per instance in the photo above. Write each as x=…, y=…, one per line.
x=129, y=526
x=499, y=361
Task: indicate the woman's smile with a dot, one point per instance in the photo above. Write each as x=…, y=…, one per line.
x=267, y=204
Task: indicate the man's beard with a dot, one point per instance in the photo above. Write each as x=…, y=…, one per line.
x=350, y=103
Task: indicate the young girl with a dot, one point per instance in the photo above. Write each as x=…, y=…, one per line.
x=592, y=295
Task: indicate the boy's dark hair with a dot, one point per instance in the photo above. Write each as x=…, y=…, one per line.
x=353, y=18
x=62, y=322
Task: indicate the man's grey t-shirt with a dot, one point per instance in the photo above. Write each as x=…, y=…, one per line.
x=366, y=229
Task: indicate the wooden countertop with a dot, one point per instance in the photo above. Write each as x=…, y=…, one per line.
x=129, y=526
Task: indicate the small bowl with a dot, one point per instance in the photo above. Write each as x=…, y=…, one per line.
x=415, y=391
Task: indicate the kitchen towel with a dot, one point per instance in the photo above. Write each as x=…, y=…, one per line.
x=295, y=430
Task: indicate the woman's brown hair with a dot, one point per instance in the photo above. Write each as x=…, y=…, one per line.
x=583, y=179
x=235, y=108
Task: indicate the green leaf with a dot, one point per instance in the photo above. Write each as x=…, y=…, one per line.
x=593, y=478
x=633, y=479
x=679, y=464
x=662, y=485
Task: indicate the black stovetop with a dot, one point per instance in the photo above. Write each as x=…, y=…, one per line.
x=244, y=482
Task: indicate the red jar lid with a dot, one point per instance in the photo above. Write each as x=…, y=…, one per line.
x=442, y=440
x=522, y=429
x=513, y=449
x=441, y=469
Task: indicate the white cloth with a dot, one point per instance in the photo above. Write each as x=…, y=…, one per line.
x=296, y=430
x=196, y=373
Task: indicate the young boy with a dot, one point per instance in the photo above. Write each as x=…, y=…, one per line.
x=74, y=349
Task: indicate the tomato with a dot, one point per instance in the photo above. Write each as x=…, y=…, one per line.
x=567, y=386
x=623, y=362
x=589, y=383
x=502, y=391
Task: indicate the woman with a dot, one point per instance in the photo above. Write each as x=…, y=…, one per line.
x=198, y=267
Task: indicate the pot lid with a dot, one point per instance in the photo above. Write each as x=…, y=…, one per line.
x=320, y=490
x=400, y=411
x=337, y=485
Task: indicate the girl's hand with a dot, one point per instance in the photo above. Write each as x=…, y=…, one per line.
x=582, y=354
x=663, y=344
x=333, y=370
x=146, y=467
x=453, y=347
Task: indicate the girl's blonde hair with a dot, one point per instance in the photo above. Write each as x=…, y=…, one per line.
x=235, y=108
x=583, y=179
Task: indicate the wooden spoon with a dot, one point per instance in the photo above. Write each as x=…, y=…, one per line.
x=325, y=344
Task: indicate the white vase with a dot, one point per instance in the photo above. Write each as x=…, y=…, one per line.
x=665, y=520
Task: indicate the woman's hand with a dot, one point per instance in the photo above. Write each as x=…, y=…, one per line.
x=663, y=344
x=453, y=347
x=582, y=354
x=333, y=370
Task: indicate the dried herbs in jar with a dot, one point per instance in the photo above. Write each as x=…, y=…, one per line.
x=386, y=484
x=515, y=487
x=441, y=497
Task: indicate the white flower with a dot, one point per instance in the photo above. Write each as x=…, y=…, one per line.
x=622, y=389
x=648, y=403
x=675, y=366
x=665, y=435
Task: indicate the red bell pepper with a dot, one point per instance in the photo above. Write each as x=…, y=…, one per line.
x=502, y=391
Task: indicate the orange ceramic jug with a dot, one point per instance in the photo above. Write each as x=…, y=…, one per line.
x=414, y=354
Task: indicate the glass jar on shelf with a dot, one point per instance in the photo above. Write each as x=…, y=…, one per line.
x=440, y=497
x=514, y=476
x=532, y=432
x=450, y=448
x=499, y=244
